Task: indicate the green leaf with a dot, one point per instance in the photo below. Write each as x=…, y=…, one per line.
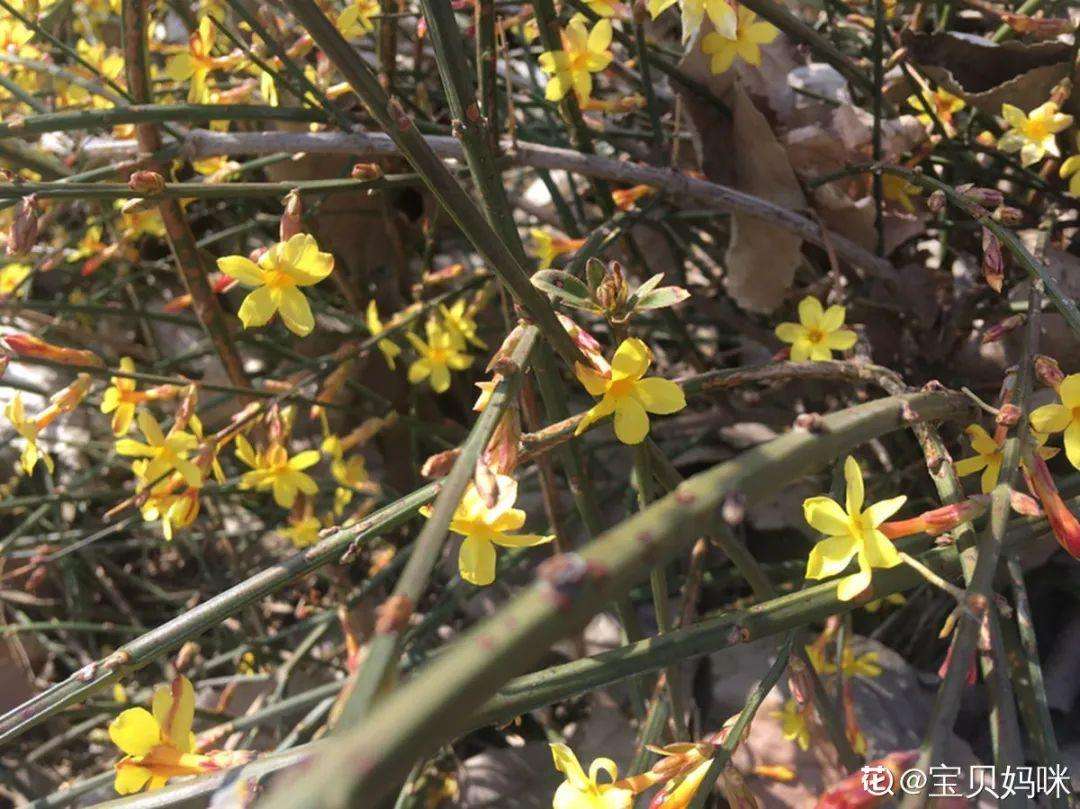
x=660, y=298
x=564, y=287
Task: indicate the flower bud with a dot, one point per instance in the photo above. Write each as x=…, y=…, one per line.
x=24, y=345
x=993, y=260
x=1008, y=216
x=1008, y=416
x=439, y=464
x=1000, y=329
x=936, y=201
x=24, y=228
x=939, y=520
x=1062, y=521
x=1048, y=371
x=502, y=451
x=291, y=216
x=366, y=171
x=502, y=362
x=146, y=183
x=853, y=793
x=613, y=291
x=989, y=198
x=137, y=205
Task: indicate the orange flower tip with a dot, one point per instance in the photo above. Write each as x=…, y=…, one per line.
x=25, y=345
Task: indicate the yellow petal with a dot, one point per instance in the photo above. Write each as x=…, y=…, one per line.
x=135, y=731
x=810, y=312
x=130, y=777
x=1072, y=444
x=855, y=493
x=1051, y=418
x=880, y=511
x=566, y=762
x=257, y=308
x=243, y=269
x=631, y=360
x=295, y=311
x=825, y=515
x=1069, y=391
x=660, y=396
x=174, y=711
x=830, y=556
x=476, y=561
x=592, y=381
x=631, y=422
x=790, y=332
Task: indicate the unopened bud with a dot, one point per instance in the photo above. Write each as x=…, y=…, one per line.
x=999, y=330
x=1008, y=216
x=146, y=183
x=1008, y=415
x=1062, y=521
x=24, y=345
x=1048, y=371
x=366, y=171
x=24, y=228
x=612, y=292
x=989, y=198
x=137, y=205
x=439, y=464
x=939, y=520
x=936, y=201
x=993, y=261
x=291, y=216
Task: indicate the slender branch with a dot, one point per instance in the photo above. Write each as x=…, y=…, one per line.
x=203, y=143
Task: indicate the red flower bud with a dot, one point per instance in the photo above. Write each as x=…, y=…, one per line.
x=146, y=183
x=1062, y=521
x=24, y=345
x=290, y=223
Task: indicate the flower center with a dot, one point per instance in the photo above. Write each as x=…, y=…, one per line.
x=276, y=279
x=620, y=388
x=815, y=335
x=1035, y=129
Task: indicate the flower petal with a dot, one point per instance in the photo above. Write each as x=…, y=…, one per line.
x=631, y=360
x=841, y=340
x=661, y=396
x=1069, y=391
x=566, y=762
x=135, y=731
x=476, y=561
x=855, y=492
x=295, y=311
x=1051, y=418
x=790, y=332
x=810, y=312
x=825, y=515
x=592, y=381
x=830, y=556
x=883, y=509
x=880, y=552
x=1072, y=444
x=631, y=421
x=130, y=777
x=243, y=269
x=174, y=711
x=257, y=309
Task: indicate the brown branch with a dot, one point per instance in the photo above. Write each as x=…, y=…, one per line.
x=203, y=143
x=190, y=262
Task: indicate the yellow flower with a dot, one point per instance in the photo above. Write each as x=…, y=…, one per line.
x=460, y=323
x=750, y=34
x=941, y=102
x=439, y=355
x=484, y=527
x=1071, y=168
x=850, y=533
x=584, y=53
x=1033, y=135
x=355, y=20
x=175, y=510
x=158, y=745
x=275, y=470
x=281, y=269
x=28, y=429
x=121, y=397
x=988, y=456
x=547, y=247
x=12, y=277
x=165, y=453
x=581, y=791
x=818, y=333
x=897, y=189
x=793, y=724
x=865, y=665
x=194, y=64
x=721, y=13
x=1063, y=417
x=304, y=532
x=626, y=394
x=389, y=348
